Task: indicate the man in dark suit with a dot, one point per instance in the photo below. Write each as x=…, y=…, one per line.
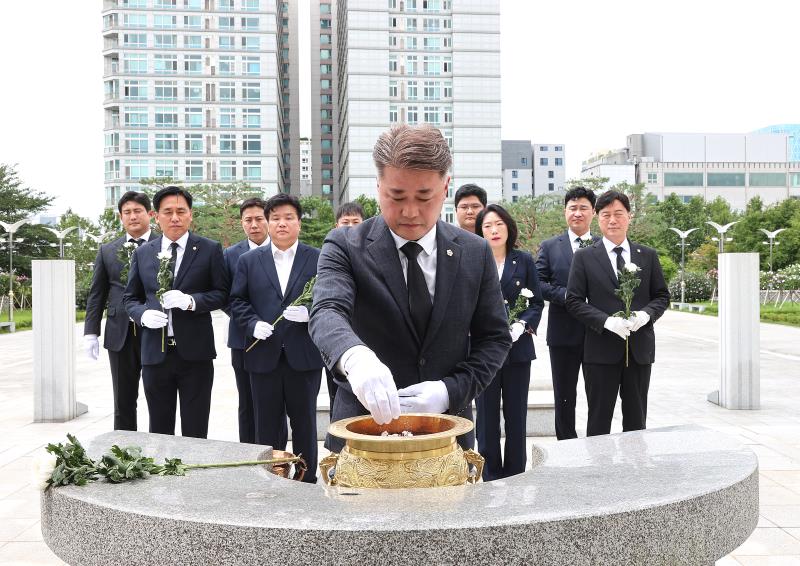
x=177, y=338
x=564, y=333
x=122, y=337
x=591, y=299
x=387, y=311
x=469, y=200
x=254, y=224
x=284, y=364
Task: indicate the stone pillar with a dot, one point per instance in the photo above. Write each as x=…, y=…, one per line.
x=739, y=336
x=54, y=341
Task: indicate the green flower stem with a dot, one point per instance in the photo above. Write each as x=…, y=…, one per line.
x=244, y=463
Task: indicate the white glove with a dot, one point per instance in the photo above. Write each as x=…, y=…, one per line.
x=296, y=314
x=154, y=319
x=619, y=326
x=425, y=397
x=263, y=330
x=516, y=331
x=638, y=319
x=92, y=346
x=372, y=384
x=176, y=300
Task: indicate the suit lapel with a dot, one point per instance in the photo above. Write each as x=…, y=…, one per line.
x=636, y=255
x=186, y=261
x=268, y=264
x=448, y=259
x=601, y=256
x=153, y=252
x=385, y=255
x=300, y=259
x=565, y=247
x=509, y=267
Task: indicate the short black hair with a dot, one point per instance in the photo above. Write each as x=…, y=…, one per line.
x=610, y=196
x=580, y=192
x=349, y=209
x=511, y=224
x=170, y=191
x=133, y=196
x=281, y=199
x=470, y=190
x=248, y=203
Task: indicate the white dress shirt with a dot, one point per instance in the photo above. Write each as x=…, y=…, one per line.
x=165, y=247
x=572, y=235
x=252, y=245
x=283, y=264
x=145, y=237
x=426, y=258
x=612, y=255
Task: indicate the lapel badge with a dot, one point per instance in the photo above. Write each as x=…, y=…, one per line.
x=638, y=251
x=450, y=253
x=514, y=262
x=194, y=248
x=517, y=283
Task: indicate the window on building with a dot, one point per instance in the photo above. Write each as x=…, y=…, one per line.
x=134, y=20
x=193, y=117
x=327, y=189
x=134, y=63
x=325, y=38
x=194, y=170
x=393, y=89
x=251, y=170
x=192, y=22
x=411, y=42
x=325, y=84
x=165, y=4
x=726, y=179
x=559, y=161
x=683, y=179
x=412, y=116
x=252, y=66
x=392, y=63
x=226, y=22
x=431, y=43
x=166, y=117
x=514, y=174
x=411, y=90
x=224, y=5
x=392, y=41
x=514, y=198
x=166, y=168
x=430, y=24
x=326, y=144
x=250, y=24
x=448, y=115
x=192, y=64
x=136, y=169
x=135, y=117
x=136, y=143
x=652, y=178
x=134, y=39
x=551, y=187
x=392, y=114
x=431, y=114
x=193, y=91
x=135, y=90
x=251, y=143
x=251, y=43
x=192, y=42
x=227, y=42
x=551, y=175
x=543, y=148
x=523, y=161
x=324, y=8
x=514, y=186
x=411, y=64
x=326, y=69
x=432, y=90
x=411, y=24
x=227, y=117
x=251, y=5
x=227, y=65
x=161, y=21
x=165, y=64
x=251, y=92
x=227, y=143
x=543, y=161
x=252, y=117
x=324, y=53
x=227, y=170
x=558, y=148
x=325, y=23
x=327, y=173
x=193, y=143
x=392, y=22
x=448, y=89
x=326, y=159
x=166, y=90
x=767, y=179
x=432, y=65
x=166, y=143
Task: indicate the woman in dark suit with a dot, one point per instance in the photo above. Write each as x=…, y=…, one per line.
x=517, y=272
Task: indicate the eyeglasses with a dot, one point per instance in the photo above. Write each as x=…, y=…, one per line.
x=465, y=207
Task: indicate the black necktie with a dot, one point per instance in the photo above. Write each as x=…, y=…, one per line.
x=620, y=262
x=138, y=242
x=173, y=260
x=419, y=300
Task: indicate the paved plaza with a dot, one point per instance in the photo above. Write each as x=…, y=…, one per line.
x=684, y=373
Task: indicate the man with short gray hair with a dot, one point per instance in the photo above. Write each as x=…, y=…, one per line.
x=388, y=316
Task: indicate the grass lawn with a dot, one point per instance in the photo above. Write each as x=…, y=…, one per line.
x=23, y=319
x=789, y=314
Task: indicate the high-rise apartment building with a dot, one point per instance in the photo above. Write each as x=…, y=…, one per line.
x=517, y=169
x=415, y=61
x=549, y=169
x=306, y=173
x=289, y=73
x=194, y=92
x=322, y=52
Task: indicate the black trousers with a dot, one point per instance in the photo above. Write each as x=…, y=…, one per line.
x=332, y=387
x=565, y=363
x=296, y=392
x=191, y=381
x=604, y=382
x=126, y=367
x=511, y=385
x=247, y=420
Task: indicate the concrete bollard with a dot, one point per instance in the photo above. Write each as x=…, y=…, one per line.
x=739, y=336
x=54, y=341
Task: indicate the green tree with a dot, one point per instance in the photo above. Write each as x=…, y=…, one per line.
x=646, y=222
x=81, y=249
x=538, y=218
x=748, y=237
x=318, y=220
x=596, y=184
x=216, y=212
x=370, y=206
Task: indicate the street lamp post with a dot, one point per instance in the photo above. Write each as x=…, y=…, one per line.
x=772, y=242
x=721, y=231
x=61, y=235
x=11, y=229
x=683, y=235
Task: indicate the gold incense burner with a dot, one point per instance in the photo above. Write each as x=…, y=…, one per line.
x=429, y=458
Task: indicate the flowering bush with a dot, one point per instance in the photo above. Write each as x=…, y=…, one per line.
x=699, y=287
x=791, y=276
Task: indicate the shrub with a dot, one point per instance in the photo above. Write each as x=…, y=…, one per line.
x=699, y=287
x=668, y=266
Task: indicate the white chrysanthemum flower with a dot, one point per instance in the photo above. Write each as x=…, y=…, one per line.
x=42, y=469
x=527, y=293
x=129, y=244
x=164, y=255
x=632, y=267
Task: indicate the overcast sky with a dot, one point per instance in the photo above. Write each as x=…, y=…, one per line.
x=580, y=72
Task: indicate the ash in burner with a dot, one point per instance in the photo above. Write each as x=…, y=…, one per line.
x=404, y=433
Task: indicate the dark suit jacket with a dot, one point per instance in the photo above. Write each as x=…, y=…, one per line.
x=593, y=278
x=107, y=288
x=236, y=337
x=553, y=263
x=256, y=295
x=201, y=275
x=519, y=272
x=361, y=298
